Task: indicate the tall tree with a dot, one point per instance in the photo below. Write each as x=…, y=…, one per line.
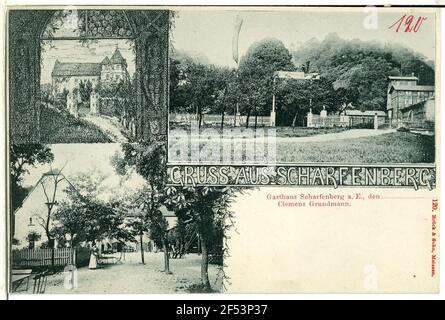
x=50, y=186
x=208, y=208
x=149, y=161
x=197, y=87
x=85, y=217
x=256, y=74
x=131, y=208
x=21, y=158
x=294, y=98
x=358, y=70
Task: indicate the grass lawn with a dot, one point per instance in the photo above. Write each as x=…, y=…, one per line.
x=397, y=147
x=61, y=127
x=279, y=131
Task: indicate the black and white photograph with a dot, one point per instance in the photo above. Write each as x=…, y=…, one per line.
x=87, y=76
x=100, y=216
x=189, y=150
x=312, y=86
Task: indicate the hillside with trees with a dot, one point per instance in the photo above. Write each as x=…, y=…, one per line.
x=353, y=73
x=359, y=69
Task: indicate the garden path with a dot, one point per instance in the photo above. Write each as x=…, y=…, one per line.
x=133, y=277
x=108, y=127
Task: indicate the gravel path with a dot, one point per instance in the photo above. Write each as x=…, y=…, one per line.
x=133, y=277
x=107, y=126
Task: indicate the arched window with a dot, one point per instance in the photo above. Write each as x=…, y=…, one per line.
x=79, y=44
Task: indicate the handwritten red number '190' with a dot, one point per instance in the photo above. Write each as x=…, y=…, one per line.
x=408, y=22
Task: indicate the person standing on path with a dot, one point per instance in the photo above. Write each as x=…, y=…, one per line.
x=94, y=256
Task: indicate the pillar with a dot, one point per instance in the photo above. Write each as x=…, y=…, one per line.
x=272, y=113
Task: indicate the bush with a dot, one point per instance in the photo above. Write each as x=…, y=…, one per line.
x=365, y=125
x=403, y=129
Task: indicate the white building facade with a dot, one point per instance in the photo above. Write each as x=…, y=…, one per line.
x=68, y=76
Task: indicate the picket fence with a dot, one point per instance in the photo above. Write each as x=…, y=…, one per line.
x=215, y=119
x=23, y=258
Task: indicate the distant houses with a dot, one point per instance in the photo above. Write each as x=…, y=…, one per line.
x=408, y=104
x=362, y=118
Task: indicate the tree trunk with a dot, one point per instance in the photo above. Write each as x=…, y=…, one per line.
x=142, y=248
x=256, y=119
x=199, y=243
x=205, y=264
x=235, y=114
x=223, y=107
x=294, y=120
x=73, y=254
x=199, y=114
x=247, y=118
x=222, y=120
x=50, y=244
x=166, y=258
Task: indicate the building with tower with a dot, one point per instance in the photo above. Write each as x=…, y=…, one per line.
x=68, y=75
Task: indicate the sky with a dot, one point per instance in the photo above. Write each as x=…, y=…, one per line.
x=211, y=32
x=92, y=159
x=73, y=51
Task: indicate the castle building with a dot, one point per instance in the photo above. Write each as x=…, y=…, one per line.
x=109, y=71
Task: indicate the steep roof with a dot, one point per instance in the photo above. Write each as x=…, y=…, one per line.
x=365, y=113
x=421, y=103
x=106, y=61
x=42, y=178
x=412, y=78
x=76, y=69
x=398, y=87
x=117, y=58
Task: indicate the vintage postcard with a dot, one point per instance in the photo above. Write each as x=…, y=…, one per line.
x=223, y=149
